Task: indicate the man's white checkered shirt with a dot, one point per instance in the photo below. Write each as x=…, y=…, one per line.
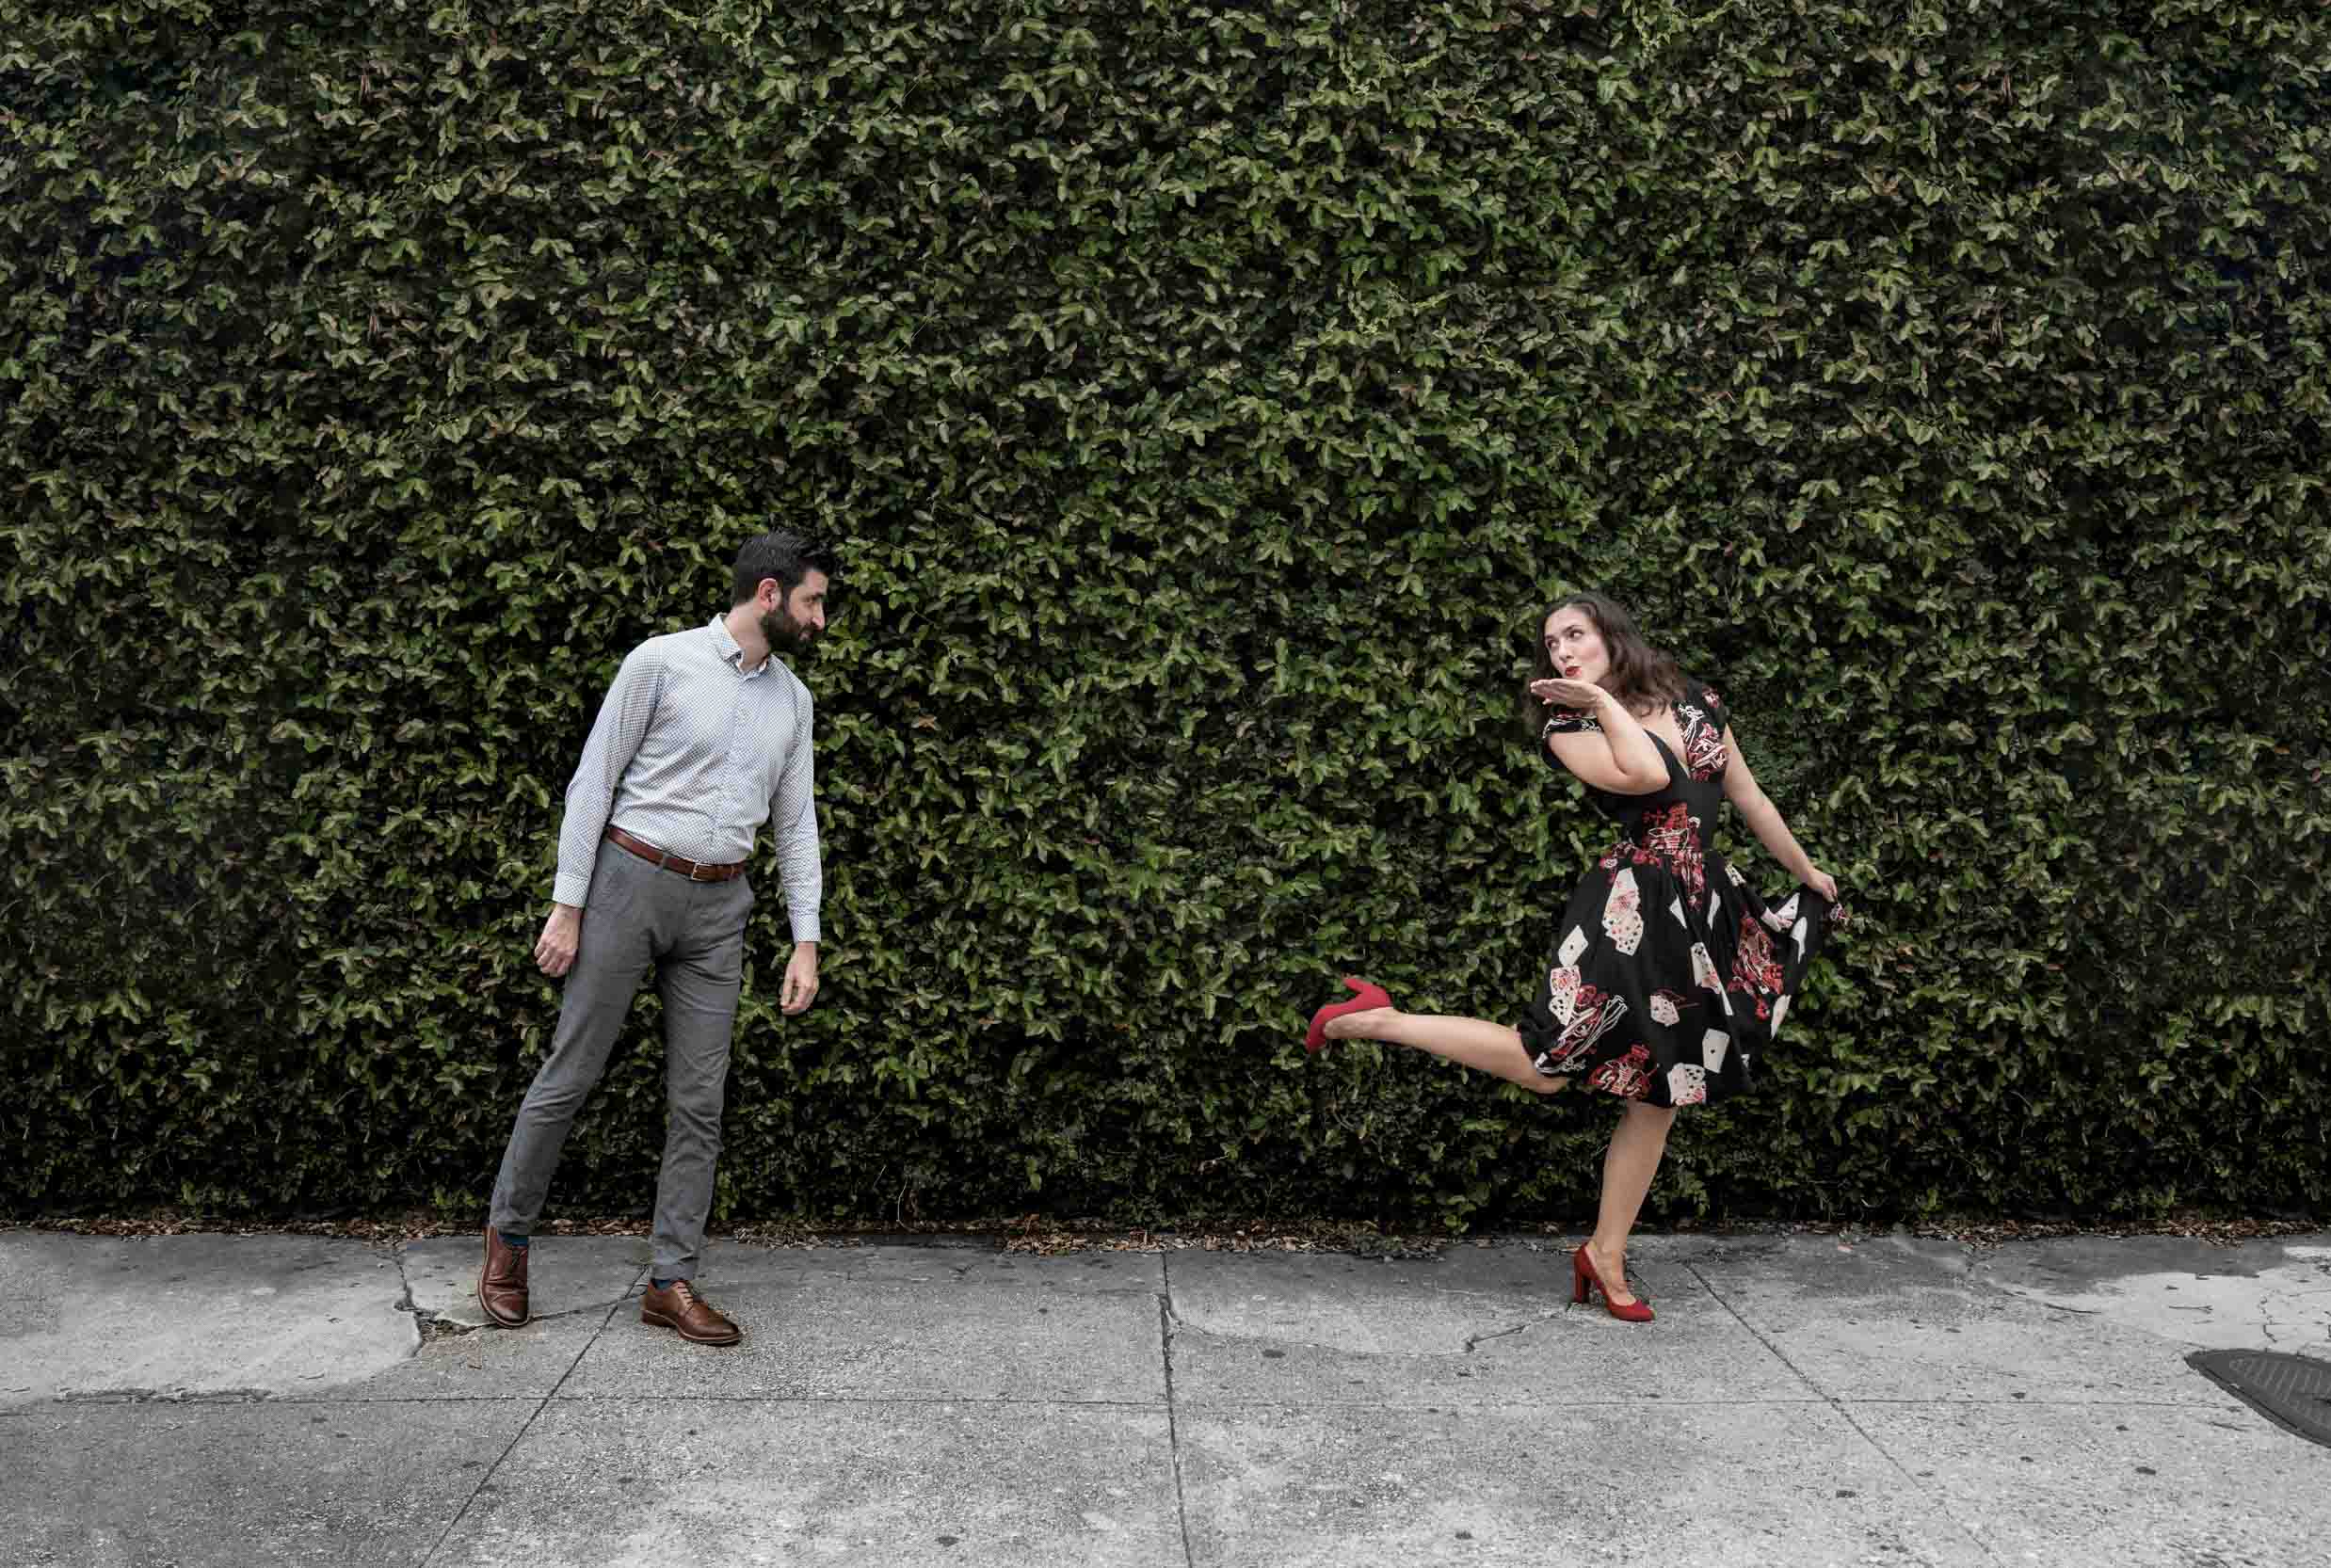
x=693, y=753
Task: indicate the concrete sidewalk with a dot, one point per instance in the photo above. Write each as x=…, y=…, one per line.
x=199, y=1399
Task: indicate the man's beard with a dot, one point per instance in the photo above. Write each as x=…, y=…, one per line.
x=784, y=634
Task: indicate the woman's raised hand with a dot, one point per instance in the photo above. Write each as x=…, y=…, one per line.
x=1558, y=693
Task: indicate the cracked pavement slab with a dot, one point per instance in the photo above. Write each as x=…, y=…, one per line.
x=2136, y=1486
x=194, y=1317
x=527, y=1363
x=1473, y=1327
x=903, y=1322
x=601, y=1482
x=317, y=1485
x=1882, y=1319
x=1688, y=1486
x=579, y=1275
x=2270, y=1295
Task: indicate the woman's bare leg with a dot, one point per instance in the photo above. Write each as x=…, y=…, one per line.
x=1468, y=1042
x=1636, y=1144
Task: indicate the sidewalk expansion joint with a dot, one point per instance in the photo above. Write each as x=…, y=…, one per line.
x=877, y=1402
x=1843, y=1414
x=524, y=1426
x=167, y=1396
x=1169, y=1322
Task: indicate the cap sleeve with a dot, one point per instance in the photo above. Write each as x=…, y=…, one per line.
x=1566, y=721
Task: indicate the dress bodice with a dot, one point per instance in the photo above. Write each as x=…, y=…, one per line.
x=1695, y=778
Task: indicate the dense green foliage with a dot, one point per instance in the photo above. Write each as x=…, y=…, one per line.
x=1207, y=400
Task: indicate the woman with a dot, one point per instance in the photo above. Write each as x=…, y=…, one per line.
x=1669, y=973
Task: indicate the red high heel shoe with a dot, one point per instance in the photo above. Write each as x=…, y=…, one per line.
x=1369, y=996
x=1582, y=1276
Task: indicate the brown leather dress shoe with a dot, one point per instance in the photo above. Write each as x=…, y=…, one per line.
x=688, y=1315
x=502, y=1283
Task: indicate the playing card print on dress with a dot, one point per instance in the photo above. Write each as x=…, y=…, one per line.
x=1703, y=746
x=1757, y=974
x=1562, y=986
x=1574, y=945
x=1645, y=1009
x=1704, y=971
x=1594, y=1016
x=1669, y=841
x=1622, y=913
x=1713, y=1046
x=1628, y=1076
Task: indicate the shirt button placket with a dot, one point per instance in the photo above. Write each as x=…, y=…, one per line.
x=727, y=762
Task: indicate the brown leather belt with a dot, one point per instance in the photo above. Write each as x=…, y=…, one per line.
x=694, y=871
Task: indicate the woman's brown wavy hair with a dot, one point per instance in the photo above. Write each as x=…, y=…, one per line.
x=1641, y=677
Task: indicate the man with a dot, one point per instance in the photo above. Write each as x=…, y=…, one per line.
x=704, y=735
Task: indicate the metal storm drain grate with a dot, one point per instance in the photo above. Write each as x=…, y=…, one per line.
x=2292, y=1391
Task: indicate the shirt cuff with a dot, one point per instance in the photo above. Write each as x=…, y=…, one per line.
x=571, y=887
x=805, y=928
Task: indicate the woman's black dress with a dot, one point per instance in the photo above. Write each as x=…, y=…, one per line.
x=1670, y=974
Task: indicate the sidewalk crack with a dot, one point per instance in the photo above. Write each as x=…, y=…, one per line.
x=426, y=1323
x=1472, y=1340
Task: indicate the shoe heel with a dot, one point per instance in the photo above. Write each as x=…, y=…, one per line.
x=1366, y=995
x=1583, y=1279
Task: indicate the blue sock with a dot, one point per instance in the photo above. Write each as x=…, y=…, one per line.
x=519, y=1242
x=662, y=1284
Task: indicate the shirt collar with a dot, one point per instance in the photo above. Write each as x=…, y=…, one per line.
x=729, y=652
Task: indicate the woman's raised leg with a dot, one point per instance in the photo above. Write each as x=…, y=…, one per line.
x=1469, y=1042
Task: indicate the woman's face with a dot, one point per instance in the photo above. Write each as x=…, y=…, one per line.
x=1575, y=647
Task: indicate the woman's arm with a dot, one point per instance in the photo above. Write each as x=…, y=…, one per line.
x=1764, y=818
x=1618, y=757
x=1630, y=747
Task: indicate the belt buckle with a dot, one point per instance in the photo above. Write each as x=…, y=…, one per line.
x=698, y=871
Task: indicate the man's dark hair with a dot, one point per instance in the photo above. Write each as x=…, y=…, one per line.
x=781, y=554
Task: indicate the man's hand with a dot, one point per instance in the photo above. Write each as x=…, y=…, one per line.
x=801, y=979
x=562, y=934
